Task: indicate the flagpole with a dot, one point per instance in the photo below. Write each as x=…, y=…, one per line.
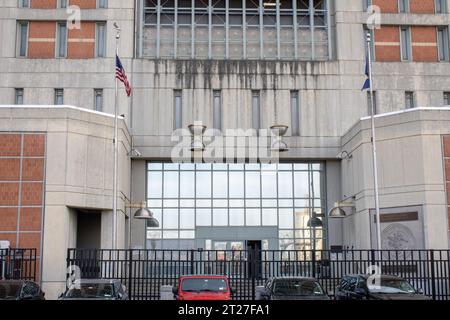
x=374, y=145
x=116, y=146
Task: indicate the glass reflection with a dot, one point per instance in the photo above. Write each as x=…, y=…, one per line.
x=186, y=196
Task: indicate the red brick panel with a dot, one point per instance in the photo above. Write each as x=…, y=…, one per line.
x=33, y=169
x=30, y=219
x=84, y=4
x=8, y=219
x=424, y=44
x=10, y=145
x=9, y=169
x=30, y=240
x=422, y=6
x=9, y=194
x=32, y=194
x=34, y=145
x=43, y=4
x=387, y=44
x=81, y=42
x=387, y=6
x=41, y=40
x=447, y=147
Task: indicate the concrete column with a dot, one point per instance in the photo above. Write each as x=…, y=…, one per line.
x=138, y=188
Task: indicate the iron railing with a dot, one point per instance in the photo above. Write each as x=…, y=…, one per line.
x=18, y=264
x=145, y=271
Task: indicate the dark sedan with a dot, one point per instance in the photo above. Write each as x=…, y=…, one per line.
x=386, y=287
x=20, y=290
x=98, y=289
x=298, y=288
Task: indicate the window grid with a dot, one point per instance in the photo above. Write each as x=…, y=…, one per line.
x=228, y=29
x=258, y=208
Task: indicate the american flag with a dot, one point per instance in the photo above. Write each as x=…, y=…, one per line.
x=121, y=75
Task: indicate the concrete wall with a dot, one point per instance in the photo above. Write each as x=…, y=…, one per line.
x=79, y=171
x=410, y=172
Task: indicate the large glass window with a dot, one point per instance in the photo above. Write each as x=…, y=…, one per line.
x=186, y=196
x=232, y=29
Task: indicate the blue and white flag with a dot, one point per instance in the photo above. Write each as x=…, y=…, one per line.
x=367, y=82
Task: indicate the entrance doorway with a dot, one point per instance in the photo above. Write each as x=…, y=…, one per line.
x=255, y=258
x=89, y=224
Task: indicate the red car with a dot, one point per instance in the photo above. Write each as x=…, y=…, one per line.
x=202, y=288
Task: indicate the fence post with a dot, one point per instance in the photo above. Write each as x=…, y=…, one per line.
x=253, y=270
x=372, y=257
x=433, y=276
x=130, y=274
x=314, y=263
x=192, y=262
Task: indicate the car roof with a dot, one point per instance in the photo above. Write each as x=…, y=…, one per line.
x=13, y=281
x=196, y=276
x=293, y=278
x=383, y=276
x=99, y=281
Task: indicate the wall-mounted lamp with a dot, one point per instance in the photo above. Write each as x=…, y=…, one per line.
x=338, y=212
x=278, y=145
x=344, y=155
x=197, y=131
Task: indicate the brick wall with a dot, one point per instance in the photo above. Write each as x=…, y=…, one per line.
x=84, y=4
x=41, y=39
x=424, y=44
x=22, y=167
x=51, y=4
x=387, y=44
x=421, y=6
x=387, y=6
x=81, y=42
x=415, y=6
x=43, y=4
x=446, y=150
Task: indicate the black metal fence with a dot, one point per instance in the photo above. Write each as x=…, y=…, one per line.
x=145, y=271
x=18, y=264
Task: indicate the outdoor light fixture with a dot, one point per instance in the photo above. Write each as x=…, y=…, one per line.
x=144, y=214
x=338, y=212
x=197, y=130
x=344, y=155
x=278, y=144
x=314, y=222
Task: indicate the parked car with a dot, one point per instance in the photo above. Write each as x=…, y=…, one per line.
x=357, y=287
x=209, y=287
x=293, y=288
x=20, y=290
x=98, y=289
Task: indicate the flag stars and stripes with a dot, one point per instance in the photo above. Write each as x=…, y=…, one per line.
x=122, y=77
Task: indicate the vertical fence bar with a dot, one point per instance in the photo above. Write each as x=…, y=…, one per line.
x=433, y=275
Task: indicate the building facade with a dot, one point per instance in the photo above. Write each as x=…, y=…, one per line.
x=234, y=66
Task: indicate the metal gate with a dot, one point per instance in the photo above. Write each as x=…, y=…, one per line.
x=145, y=271
x=18, y=264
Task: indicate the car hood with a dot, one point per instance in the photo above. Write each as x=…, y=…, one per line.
x=204, y=296
x=88, y=299
x=283, y=298
x=392, y=296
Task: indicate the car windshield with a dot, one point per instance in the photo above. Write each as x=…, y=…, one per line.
x=91, y=291
x=297, y=287
x=9, y=290
x=392, y=286
x=204, y=284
